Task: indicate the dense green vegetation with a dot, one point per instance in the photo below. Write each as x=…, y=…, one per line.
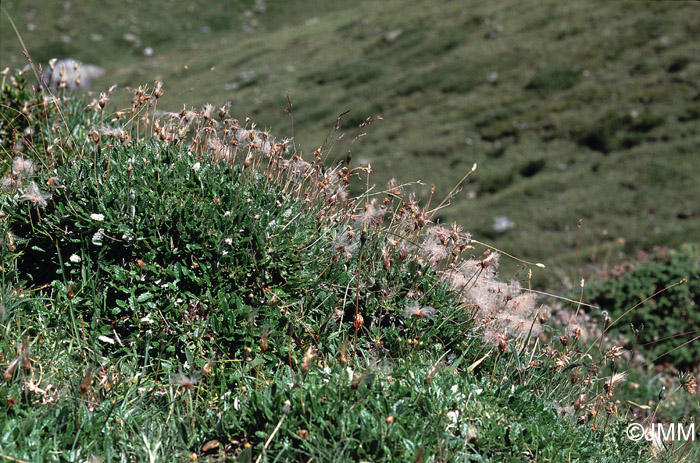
x=671, y=318
x=181, y=286
x=169, y=297
x=563, y=106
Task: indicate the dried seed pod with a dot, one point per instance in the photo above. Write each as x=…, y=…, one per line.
x=211, y=446
x=689, y=383
x=574, y=376
x=359, y=322
x=577, y=333
x=592, y=414
x=502, y=345
x=609, y=408
x=343, y=353
x=263, y=340
x=85, y=386
x=10, y=370
x=248, y=160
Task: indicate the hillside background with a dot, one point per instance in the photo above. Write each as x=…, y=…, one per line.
x=576, y=110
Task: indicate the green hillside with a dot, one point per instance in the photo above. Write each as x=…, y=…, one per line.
x=577, y=110
x=234, y=283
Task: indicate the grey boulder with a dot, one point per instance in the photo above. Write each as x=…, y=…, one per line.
x=69, y=74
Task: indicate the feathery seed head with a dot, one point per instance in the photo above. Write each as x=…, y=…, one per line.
x=23, y=166
x=184, y=381
x=34, y=195
x=415, y=310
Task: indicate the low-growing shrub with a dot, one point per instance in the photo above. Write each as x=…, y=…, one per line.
x=668, y=320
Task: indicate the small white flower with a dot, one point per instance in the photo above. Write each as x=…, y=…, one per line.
x=97, y=217
x=75, y=258
x=228, y=241
x=453, y=415
x=286, y=407
x=97, y=237
x=196, y=166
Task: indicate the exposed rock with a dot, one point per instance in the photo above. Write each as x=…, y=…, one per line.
x=502, y=223
x=70, y=74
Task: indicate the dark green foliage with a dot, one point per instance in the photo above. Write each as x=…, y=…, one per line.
x=213, y=253
x=666, y=321
x=167, y=250
x=615, y=131
x=678, y=63
x=464, y=418
x=554, y=79
x=532, y=167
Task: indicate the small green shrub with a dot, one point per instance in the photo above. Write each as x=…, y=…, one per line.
x=666, y=321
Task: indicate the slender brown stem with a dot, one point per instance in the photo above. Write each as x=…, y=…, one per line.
x=363, y=239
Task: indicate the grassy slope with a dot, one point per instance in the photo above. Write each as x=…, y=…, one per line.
x=553, y=135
